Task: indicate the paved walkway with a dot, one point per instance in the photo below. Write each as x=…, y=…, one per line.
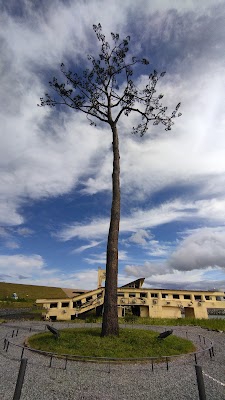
x=91, y=381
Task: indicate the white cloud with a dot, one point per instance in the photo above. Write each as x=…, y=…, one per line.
x=80, y=249
x=181, y=279
x=20, y=264
x=45, y=154
x=198, y=261
x=25, y=231
x=140, y=237
x=30, y=150
x=149, y=269
x=160, y=275
x=212, y=210
x=101, y=258
x=146, y=166
x=3, y=232
x=11, y=244
x=205, y=248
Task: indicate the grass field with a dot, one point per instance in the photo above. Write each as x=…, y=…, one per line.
x=214, y=323
x=131, y=343
x=29, y=292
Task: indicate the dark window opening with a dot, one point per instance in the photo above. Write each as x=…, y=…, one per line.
x=53, y=305
x=165, y=295
x=132, y=295
x=176, y=296
x=65, y=304
x=89, y=298
x=154, y=295
x=187, y=297
x=143, y=294
x=198, y=297
x=218, y=298
x=53, y=318
x=120, y=294
x=208, y=297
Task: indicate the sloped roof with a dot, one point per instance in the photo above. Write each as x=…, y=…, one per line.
x=137, y=283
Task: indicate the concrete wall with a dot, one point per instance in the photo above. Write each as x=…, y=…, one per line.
x=155, y=303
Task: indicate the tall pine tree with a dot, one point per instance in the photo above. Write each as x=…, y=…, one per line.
x=96, y=93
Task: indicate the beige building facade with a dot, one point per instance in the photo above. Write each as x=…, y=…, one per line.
x=133, y=298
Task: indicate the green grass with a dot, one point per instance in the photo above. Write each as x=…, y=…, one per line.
x=214, y=323
x=131, y=343
x=15, y=304
x=28, y=293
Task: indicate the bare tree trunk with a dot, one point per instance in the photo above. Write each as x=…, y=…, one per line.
x=110, y=325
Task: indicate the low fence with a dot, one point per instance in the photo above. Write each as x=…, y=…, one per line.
x=133, y=377
x=205, y=347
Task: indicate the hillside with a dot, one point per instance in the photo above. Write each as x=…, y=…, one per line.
x=30, y=292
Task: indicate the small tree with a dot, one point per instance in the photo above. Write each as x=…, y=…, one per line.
x=96, y=93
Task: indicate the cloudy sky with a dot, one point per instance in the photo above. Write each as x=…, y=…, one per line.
x=55, y=169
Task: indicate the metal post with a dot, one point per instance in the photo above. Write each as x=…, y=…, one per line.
x=167, y=365
x=22, y=353
x=65, y=363
x=20, y=379
x=200, y=381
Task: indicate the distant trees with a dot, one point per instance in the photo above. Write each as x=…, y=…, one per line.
x=106, y=91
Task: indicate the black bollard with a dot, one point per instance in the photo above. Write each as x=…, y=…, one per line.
x=200, y=381
x=20, y=379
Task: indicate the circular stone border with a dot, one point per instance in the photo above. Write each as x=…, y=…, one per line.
x=198, y=337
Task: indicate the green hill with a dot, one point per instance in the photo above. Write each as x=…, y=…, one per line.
x=30, y=292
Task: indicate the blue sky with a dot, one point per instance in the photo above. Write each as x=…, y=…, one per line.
x=55, y=169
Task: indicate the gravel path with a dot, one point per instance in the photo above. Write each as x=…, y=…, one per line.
x=91, y=381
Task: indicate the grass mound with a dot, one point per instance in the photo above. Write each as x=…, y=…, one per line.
x=131, y=343
x=26, y=292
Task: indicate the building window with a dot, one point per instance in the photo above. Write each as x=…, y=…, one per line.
x=164, y=295
x=208, y=297
x=77, y=303
x=53, y=305
x=120, y=294
x=65, y=304
x=143, y=294
x=198, y=297
x=132, y=295
x=89, y=298
x=176, y=296
x=218, y=298
x=155, y=295
x=187, y=297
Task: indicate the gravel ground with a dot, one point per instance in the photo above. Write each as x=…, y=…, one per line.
x=91, y=381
